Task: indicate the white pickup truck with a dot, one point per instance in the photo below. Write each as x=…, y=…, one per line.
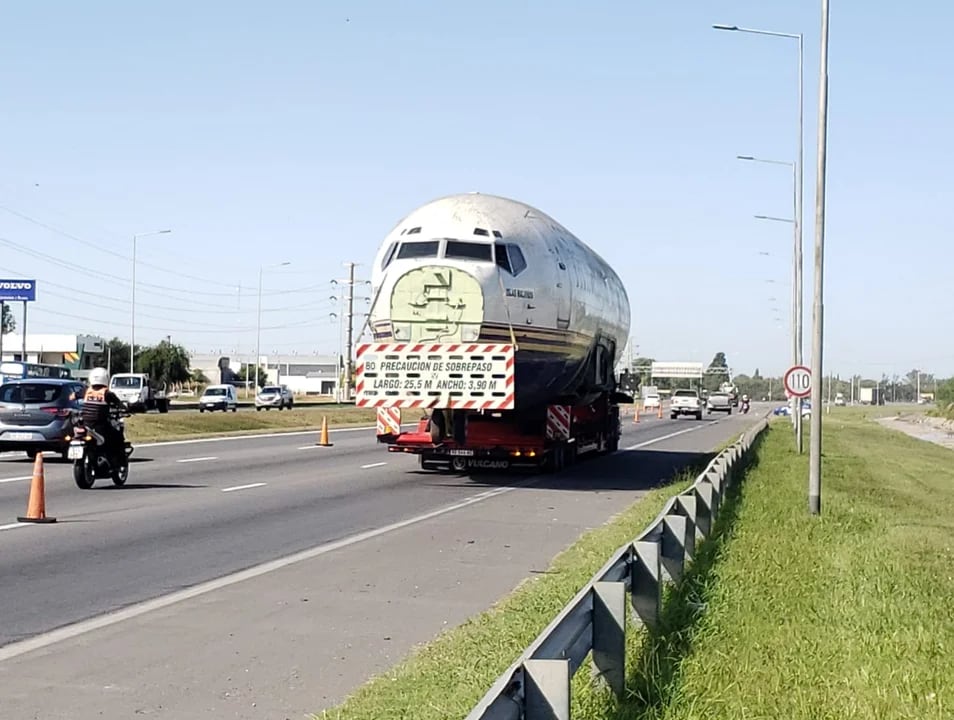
x=685, y=402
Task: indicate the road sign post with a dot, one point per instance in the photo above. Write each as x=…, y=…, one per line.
x=798, y=381
x=17, y=290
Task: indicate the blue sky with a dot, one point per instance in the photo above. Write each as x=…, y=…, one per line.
x=302, y=131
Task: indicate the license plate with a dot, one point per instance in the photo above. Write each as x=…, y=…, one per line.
x=18, y=436
x=75, y=452
x=456, y=451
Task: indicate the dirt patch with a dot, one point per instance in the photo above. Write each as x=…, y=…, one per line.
x=932, y=429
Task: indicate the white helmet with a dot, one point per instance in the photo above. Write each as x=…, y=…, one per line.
x=98, y=376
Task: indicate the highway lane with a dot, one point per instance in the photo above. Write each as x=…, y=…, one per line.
x=194, y=511
x=299, y=637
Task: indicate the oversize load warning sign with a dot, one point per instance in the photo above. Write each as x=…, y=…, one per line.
x=435, y=375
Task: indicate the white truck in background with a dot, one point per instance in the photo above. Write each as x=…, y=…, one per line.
x=685, y=402
x=139, y=394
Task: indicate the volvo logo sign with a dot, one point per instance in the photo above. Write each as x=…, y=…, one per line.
x=17, y=290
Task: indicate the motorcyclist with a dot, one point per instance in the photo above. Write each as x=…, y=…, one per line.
x=745, y=403
x=95, y=413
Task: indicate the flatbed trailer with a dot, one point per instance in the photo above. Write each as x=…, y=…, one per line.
x=472, y=430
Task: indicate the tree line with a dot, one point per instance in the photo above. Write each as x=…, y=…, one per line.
x=895, y=388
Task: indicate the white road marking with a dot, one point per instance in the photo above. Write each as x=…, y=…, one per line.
x=198, y=459
x=70, y=631
x=373, y=465
x=225, y=438
x=13, y=526
x=16, y=479
x=670, y=435
x=312, y=447
x=244, y=487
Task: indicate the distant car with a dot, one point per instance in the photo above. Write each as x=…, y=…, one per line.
x=35, y=415
x=651, y=402
x=685, y=402
x=274, y=396
x=219, y=397
x=719, y=401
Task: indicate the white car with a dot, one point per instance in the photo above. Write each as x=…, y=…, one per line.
x=651, y=402
x=219, y=397
x=274, y=396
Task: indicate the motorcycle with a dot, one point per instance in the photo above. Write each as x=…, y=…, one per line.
x=745, y=406
x=87, y=451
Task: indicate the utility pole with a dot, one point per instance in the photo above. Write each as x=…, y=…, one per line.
x=349, y=341
x=814, y=472
x=350, y=332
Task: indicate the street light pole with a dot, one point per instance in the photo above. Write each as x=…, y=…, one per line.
x=799, y=213
x=814, y=464
x=132, y=333
x=258, y=326
x=794, y=403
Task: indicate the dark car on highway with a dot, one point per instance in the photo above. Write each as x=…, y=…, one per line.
x=35, y=414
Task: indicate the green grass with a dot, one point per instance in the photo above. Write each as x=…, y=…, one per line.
x=847, y=615
x=447, y=677
x=184, y=424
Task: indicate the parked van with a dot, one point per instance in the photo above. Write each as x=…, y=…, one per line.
x=219, y=397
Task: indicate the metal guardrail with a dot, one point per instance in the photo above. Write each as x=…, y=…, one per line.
x=537, y=685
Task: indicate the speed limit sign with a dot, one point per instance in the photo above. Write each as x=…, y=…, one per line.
x=798, y=381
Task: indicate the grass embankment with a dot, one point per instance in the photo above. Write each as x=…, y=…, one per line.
x=447, y=677
x=183, y=424
x=846, y=615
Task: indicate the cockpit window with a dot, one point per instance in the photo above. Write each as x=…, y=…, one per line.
x=511, y=258
x=388, y=256
x=517, y=259
x=469, y=251
x=410, y=250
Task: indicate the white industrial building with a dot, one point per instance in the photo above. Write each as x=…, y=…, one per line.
x=80, y=353
x=313, y=375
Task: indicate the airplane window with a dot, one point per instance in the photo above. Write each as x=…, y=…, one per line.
x=469, y=251
x=388, y=256
x=517, y=259
x=503, y=259
x=411, y=250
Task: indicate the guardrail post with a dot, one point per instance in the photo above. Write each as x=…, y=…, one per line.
x=687, y=503
x=645, y=582
x=673, y=555
x=704, y=511
x=715, y=479
x=609, y=634
x=547, y=687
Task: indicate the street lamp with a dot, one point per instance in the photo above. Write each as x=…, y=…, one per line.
x=258, y=329
x=132, y=333
x=798, y=185
x=814, y=463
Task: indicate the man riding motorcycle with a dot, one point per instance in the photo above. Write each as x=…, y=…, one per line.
x=96, y=403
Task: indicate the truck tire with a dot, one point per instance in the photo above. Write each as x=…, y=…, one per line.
x=672, y=416
x=699, y=415
x=163, y=406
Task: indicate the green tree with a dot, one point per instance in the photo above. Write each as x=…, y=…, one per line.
x=7, y=324
x=717, y=373
x=247, y=374
x=165, y=363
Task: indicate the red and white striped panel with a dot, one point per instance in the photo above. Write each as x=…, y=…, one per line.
x=466, y=376
x=558, y=422
x=389, y=421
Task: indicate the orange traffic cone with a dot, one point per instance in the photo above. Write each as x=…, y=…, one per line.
x=635, y=414
x=659, y=414
x=323, y=438
x=36, y=506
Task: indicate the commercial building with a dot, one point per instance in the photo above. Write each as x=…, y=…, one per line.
x=303, y=374
x=80, y=353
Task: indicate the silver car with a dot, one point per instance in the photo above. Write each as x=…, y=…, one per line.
x=35, y=415
x=720, y=401
x=274, y=396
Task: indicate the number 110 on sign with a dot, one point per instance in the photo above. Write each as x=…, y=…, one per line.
x=798, y=381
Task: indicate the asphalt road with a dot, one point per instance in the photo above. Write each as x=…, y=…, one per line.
x=196, y=511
